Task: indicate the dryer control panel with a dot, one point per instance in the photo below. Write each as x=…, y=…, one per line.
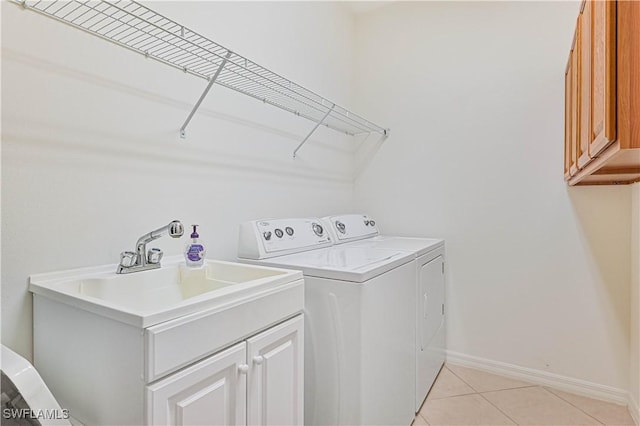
x=261, y=239
x=350, y=227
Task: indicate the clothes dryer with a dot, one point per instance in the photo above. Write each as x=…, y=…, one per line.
x=355, y=230
x=360, y=326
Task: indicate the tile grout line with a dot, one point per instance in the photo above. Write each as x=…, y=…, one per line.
x=573, y=405
x=451, y=396
x=425, y=420
x=463, y=381
x=493, y=374
x=444, y=366
x=483, y=397
x=507, y=389
x=498, y=408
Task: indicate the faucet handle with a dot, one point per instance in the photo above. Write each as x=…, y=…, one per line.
x=128, y=259
x=154, y=255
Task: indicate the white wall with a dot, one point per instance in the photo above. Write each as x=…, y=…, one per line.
x=91, y=157
x=473, y=92
x=634, y=354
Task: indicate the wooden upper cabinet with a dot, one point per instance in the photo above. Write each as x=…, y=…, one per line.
x=602, y=95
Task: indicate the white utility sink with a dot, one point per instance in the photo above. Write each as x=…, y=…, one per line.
x=149, y=297
x=171, y=343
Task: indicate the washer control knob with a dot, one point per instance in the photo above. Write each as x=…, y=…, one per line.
x=318, y=229
x=372, y=222
x=288, y=230
x=267, y=235
x=279, y=232
x=341, y=227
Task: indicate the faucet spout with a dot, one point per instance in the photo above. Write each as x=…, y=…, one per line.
x=173, y=229
x=137, y=261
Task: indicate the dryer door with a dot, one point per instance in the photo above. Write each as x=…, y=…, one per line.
x=430, y=322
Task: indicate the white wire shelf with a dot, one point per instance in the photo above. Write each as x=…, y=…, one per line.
x=138, y=28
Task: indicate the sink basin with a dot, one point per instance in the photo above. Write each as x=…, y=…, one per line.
x=149, y=297
x=169, y=285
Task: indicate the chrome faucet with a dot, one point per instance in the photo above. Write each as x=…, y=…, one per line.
x=141, y=260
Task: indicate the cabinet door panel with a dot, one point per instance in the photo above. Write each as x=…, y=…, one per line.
x=575, y=97
x=603, y=65
x=211, y=392
x=275, y=388
x=584, y=72
x=567, y=118
x=195, y=409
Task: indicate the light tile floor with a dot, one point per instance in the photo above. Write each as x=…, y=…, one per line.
x=464, y=396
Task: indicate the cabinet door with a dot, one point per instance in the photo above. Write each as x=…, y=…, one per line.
x=275, y=394
x=584, y=76
x=211, y=392
x=603, y=75
x=568, y=112
x=575, y=102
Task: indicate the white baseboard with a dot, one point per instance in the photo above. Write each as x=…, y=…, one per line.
x=581, y=387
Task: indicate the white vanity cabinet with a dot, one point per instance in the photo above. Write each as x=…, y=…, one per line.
x=256, y=382
x=155, y=348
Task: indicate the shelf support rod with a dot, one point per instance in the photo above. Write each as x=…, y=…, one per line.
x=204, y=95
x=313, y=130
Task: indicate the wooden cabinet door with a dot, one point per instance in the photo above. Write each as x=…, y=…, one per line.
x=575, y=102
x=603, y=75
x=211, y=392
x=569, y=108
x=275, y=393
x=584, y=83
x=567, y=122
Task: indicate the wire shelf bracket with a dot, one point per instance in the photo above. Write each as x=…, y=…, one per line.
x=312, y=131
x=204, y=95
x=140, y=29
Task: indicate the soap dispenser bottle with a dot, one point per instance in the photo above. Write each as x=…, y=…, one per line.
x=195, y=252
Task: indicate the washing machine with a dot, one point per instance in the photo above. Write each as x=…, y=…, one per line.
x=356, y=230
x=360, y=325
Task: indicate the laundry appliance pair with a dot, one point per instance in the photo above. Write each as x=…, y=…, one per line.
x=375, y=310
